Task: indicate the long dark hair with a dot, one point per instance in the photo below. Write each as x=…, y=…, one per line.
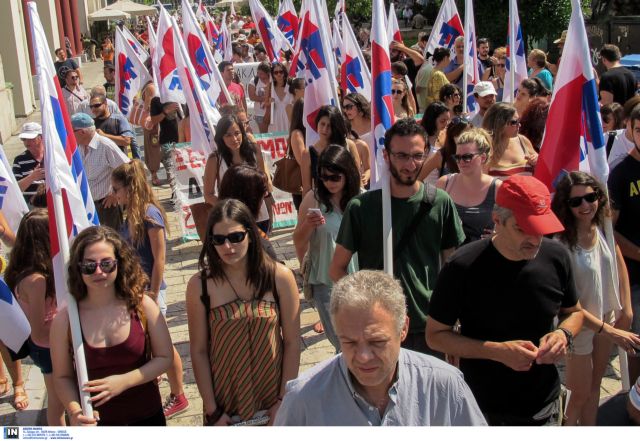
x=246, y=184
x=260, y=267
x=337, y=159
x=560, y=205
x=454, y=129
x=297, y=123
x=131, y=280
x=361, y=103
x=285, y=76
x=32, y=251
x=336, y=121
x=247, y=149
x=431, y=114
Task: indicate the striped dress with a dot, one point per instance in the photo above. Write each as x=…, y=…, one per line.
x=246, y=353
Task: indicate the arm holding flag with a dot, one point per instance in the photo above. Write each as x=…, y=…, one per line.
x=416, y=56
x=7, y=235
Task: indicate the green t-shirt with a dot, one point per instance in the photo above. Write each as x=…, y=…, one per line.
x=417, y=266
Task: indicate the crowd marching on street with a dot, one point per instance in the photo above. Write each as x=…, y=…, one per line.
x=465, y=220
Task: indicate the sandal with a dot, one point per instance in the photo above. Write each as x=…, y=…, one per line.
x=20, y=398
x=4, y=386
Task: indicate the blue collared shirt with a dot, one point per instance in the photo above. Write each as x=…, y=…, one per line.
x=427, y=392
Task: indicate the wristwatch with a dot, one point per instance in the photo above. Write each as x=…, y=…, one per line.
x=569, y=335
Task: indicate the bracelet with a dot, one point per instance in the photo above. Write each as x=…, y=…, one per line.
x=601, y=327
x=210, y=420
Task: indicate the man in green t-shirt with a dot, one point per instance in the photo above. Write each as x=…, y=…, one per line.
x=436, y=236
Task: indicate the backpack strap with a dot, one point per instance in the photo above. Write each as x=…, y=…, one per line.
x=428, y=199
x=610, y=139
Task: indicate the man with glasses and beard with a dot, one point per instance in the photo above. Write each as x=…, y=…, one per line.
x=426, y=228
x=505, y=293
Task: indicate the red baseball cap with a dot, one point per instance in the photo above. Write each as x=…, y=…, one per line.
x=530, y=202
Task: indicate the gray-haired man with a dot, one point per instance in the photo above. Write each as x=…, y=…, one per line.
x=375, y=382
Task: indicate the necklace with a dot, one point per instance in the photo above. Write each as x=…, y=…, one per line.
x=234, y=290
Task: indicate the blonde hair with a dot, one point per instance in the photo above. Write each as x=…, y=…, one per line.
x=132, y=176
x=480, y=137
x=539, y=56
x=500, y=52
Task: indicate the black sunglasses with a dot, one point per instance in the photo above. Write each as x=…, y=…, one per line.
x=332, y=178
x=514, y=122
x=236, y=237
x=107, y=266
x=575, y=202
x=467, y=157
x=348, y=106
x=396, y=91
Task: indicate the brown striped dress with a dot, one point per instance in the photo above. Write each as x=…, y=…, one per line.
x=246, y=354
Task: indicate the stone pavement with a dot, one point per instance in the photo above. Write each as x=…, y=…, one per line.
x=181, y=265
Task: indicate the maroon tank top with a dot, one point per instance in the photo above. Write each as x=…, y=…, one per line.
x=132, y=405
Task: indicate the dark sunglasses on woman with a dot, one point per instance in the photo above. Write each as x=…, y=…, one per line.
x=107, y=266
x=332, y=178
x=575, y=202
x=235, y=237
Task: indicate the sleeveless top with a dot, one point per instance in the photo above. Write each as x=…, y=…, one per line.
x=475, y=219
x=50, y=311
x=521, y=168
x=245, y=353
x=134, y=404
x=593, y=271
x=322, y=245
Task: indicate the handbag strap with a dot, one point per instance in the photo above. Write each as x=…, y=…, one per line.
x=426, y=203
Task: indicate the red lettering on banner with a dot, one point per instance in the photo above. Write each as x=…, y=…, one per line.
x=284, y=207
x=276, y=147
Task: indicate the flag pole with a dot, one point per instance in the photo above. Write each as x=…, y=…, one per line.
x=512, y=50
x=465, y=78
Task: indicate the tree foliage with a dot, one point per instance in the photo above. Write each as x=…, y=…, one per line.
x=357, y=10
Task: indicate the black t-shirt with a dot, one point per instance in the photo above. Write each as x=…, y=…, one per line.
x=624, y=191
x=620, y=82
x=498, y=300
x=168, y=127
x=62, y=67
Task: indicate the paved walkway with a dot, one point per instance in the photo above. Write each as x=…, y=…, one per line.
x=181, y=265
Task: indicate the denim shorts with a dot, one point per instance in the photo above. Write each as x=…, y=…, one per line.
x=41, y=357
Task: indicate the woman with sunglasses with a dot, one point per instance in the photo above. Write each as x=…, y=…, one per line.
x=357, y=109
x=435, y=120
x=145, y=230
x=234, y=148
x=244, y=324
x=472, y=191
x=399, y=94
x=30, y=277
x=319, y=220
x=331, y=129
x=450, y=96
x=442, y=160
x=126, y=340
x=280, y=99
x=499, y=71
x=512, y=153
x=581, y=204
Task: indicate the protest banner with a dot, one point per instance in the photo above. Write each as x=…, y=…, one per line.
x=189, y=189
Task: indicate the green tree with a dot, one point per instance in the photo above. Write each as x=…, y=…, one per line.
x=359, y=11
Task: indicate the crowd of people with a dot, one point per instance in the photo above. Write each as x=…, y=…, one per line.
x=495, y=280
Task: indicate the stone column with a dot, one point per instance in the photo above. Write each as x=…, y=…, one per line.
x=15, y=56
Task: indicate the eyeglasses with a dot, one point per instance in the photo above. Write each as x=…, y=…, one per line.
x=417, y=157
x=575, y=202
x=514, y=122
x=107, y=266
x=74, y=77
x=331, y=178
x=95, y=106
x=235, y=237
x=348, y=106
x=501, y=65
x=466, y=158
x=278, y=72
x=396, y=91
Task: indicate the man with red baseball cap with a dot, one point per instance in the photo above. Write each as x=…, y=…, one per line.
x=506, y=291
